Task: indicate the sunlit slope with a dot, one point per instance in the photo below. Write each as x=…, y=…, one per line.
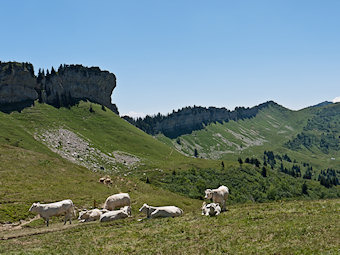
x=270, y=128
x=103, y=129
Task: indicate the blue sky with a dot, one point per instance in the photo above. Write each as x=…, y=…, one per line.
x=171, y=54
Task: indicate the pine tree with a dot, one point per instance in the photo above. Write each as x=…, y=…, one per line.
x=196, y=153
x=304, y=188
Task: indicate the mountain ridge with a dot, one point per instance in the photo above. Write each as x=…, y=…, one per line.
x=188, y=119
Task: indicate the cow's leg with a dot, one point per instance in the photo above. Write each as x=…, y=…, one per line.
x=154, y=214
x=223, y=209
x=47, y=221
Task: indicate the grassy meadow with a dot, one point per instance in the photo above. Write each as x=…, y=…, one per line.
x=295, y=223
x=296, y=227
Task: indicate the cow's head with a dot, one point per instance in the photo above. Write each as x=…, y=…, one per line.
x=83, y=214
x=127, y=210
x=208, y=194
x=34, y=207
x=144, y=208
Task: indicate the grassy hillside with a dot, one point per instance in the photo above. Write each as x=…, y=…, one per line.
x=321, y=134
x=103, y=129
x=43, y=154
x=274, y=128
x=271, y=127
x=36, y=161
x=28, y=176
x=30, y=171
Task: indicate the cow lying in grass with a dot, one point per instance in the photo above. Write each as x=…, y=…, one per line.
x=219, y=195
x=54, y=209
x=212, y=209
x=161, y=212
x=90, y=215
x=116, y=215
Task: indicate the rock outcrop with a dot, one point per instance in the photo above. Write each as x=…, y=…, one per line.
x=19, y=87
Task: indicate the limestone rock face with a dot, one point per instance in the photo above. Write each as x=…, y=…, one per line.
x=76, y=82
x=17, y=83
x=20, y=87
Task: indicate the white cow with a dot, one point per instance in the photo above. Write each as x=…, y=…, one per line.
x=219, y=195
x=54, y=209
x=117, y=201
x=162, y=211
x=116, y=215
x=90, y=215
x=212, y=209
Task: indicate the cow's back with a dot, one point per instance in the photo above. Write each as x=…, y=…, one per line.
x=117, y=201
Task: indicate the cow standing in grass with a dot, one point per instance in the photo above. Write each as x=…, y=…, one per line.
x=54, y=209
x=219, y=195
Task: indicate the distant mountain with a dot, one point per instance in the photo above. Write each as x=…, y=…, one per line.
x=322, y=104
x=189, y=119
x=311, y=134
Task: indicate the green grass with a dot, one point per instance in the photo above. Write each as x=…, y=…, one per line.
x=104, y=129
x=297, y=227
x=30, y=172
x=270, y=130
x=28, y=177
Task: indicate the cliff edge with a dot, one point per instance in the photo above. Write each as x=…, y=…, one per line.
x=19, y=87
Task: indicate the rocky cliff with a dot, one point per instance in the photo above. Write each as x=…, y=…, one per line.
x=19, y=87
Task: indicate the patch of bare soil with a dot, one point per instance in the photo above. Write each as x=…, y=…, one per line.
x=17, y=225
x=23, y=232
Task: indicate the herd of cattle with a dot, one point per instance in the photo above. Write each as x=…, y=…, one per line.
x=122, y=201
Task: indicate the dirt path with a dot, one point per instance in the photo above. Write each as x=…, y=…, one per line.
x=17, y=225
x=18, y=231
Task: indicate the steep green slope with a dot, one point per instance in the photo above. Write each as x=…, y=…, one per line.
x=309, y=135
x=271, y=127
x=103, y=129
x=321, y=134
